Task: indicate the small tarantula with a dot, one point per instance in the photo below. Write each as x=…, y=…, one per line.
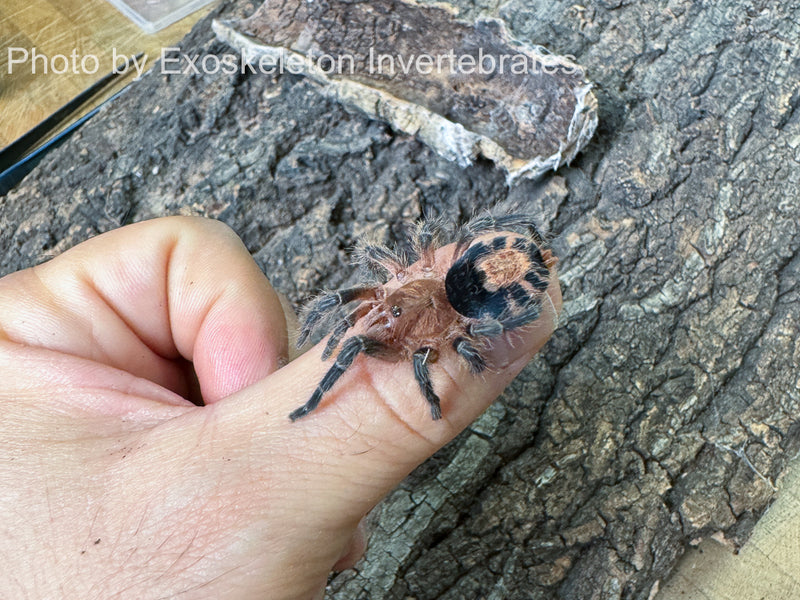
x=494, y=281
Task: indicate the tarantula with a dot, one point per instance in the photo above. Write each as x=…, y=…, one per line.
x=494, y=281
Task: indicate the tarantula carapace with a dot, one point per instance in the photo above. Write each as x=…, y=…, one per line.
x=493, y=281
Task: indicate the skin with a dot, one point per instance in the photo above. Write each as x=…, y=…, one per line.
x=114, y=485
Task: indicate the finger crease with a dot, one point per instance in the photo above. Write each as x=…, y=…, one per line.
x=396, y=416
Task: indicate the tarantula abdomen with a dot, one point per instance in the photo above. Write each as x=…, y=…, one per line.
x=497, y=276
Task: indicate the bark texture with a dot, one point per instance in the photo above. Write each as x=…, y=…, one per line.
x=665, y=407
x=529, y=122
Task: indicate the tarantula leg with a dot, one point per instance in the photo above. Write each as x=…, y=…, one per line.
x=422, y=376
x=491, y=327
x=379, y=259
x=350, y=349
x=328, y=302
x=469, y=353
x=487, y=223
x=426, y=239
x=338, y=332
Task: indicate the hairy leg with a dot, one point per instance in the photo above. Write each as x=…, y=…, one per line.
x=491, y=327
x=341, y=328
x=426, y=239
x=350, y=349
x=327, y=302
x=422, y=376
x=467, y=350
x=379, y=260
x=487, y=223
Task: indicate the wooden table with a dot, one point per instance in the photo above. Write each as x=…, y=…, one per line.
x=766, y=568
x=87, y=34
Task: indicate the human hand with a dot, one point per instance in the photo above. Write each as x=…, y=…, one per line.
x=114, y=484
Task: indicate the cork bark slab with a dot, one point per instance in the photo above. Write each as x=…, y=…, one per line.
x=464, y=89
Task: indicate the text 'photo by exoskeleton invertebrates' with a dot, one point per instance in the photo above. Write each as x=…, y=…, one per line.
x=494, y=281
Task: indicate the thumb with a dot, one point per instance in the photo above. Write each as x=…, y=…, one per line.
x=373, y=426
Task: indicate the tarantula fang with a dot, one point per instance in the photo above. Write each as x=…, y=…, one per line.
x=493, y=282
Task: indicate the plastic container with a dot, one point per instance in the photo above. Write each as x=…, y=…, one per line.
x=154, y=15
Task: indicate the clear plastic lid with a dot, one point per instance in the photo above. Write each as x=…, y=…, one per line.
x=153, y=15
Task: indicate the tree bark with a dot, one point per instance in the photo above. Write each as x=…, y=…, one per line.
x=665, y=407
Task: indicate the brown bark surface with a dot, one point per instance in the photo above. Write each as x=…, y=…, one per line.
x=665, y=407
